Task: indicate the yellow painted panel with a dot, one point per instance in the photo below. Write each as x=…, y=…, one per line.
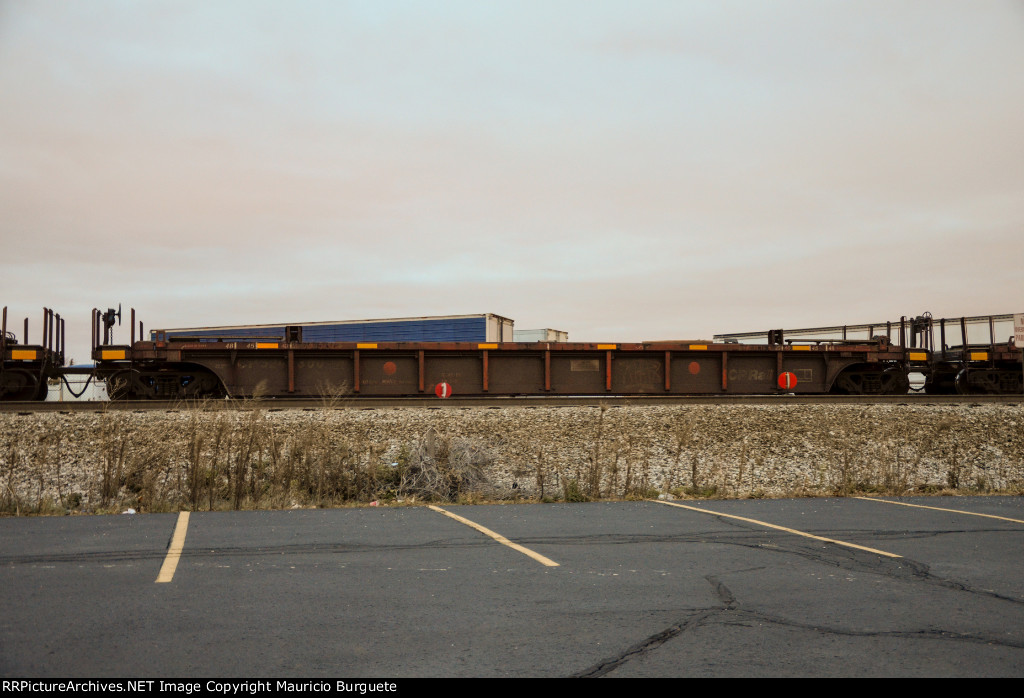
x=112, y=354
x=266, y=345
x=366, y=346
x=607, y=346
x=979, y=356
x=918, y=356
x=23, y=354
x=801, y=347
x=486, y=346
x=698, y=347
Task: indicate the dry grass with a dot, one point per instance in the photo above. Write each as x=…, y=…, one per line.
x=241, y=460
x=209, y=458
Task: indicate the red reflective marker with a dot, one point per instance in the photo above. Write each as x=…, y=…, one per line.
x=787, y=380
x=443, y=390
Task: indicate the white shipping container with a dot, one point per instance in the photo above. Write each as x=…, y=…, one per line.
x=542, y=335
x=499, y=329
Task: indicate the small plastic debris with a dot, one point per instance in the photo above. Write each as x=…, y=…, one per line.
x=665, y=495
x=129, y=511
x=374, y=503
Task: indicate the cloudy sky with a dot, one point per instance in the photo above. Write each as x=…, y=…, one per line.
x=620, y=170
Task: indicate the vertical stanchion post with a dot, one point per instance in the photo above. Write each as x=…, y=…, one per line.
x=1018, y=339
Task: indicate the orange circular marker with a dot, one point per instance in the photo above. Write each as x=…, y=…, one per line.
x=694, y=367
x=443, y=390
x=787, y=381
x=390, y=368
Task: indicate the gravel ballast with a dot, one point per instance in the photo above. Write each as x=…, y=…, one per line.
x=80, y=461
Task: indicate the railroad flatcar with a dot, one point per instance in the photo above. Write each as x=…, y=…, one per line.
x=289, y=364
x=172, y=367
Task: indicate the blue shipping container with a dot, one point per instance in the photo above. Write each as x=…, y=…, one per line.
x=455, y=328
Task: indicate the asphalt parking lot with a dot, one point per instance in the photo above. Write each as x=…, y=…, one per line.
x=802, y=587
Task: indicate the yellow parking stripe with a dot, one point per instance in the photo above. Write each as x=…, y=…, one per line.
x=780, y=528
x=498, y=537
x=174, y=551
x=955, y=511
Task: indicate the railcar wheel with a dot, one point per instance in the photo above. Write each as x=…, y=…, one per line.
x=961, y=382
x=21, y=386
x=42, y=390
x=988, y=382
x=851, y=383
x=121, y=386
x=894, y=381
x=859, y=382
x=200, y=384
x=970, y=382
x=872, y=381
x=1015, y=383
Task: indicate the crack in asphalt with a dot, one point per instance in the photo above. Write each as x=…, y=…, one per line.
x=229, y=551
x=98, y=557
x=902, y=569
x=847, y=632
x=722, y=592
x=646, y=645
x=854, y=560
x=654, y=641
x=730, y=613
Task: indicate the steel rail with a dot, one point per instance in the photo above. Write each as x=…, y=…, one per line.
x=364, y=403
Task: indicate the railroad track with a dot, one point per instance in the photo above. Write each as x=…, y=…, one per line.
x=372, y=403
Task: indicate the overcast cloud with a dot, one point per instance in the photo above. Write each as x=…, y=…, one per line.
x=622, y=171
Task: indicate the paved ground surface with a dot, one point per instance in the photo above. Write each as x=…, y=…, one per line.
x=640, y=589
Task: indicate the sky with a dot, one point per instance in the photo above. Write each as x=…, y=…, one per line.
x=624, y=171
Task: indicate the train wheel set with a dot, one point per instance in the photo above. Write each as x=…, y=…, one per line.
x=176, y=367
